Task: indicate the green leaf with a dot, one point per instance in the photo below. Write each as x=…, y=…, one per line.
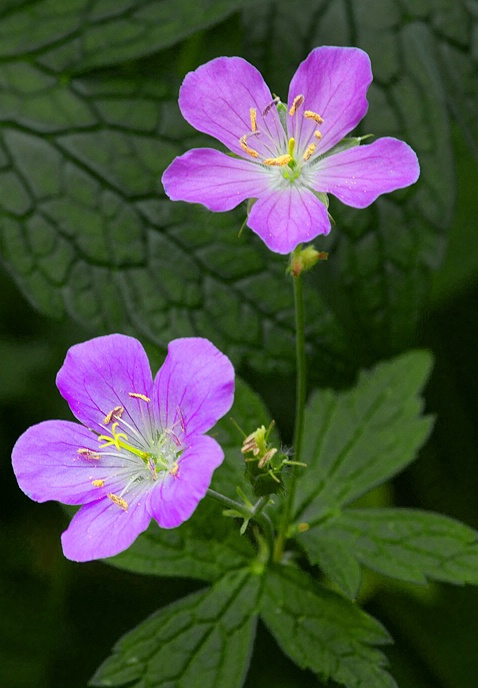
x=207, y=544
x=323, y=632
x=202, y=640
x=356, y=440
x=407, y=544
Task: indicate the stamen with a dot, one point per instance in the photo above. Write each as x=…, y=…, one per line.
x=308, y=114
x=317, y=134
x=137, y=395
x=117, y=412
x=246, y=148
x=310, y=149
x=270, y=106
x=89, y=454
x=253, y=114
x=118, y=501
x=279, y=161
x=298, y=100
x=97, y=483
x=267, y=457
x=174, y=469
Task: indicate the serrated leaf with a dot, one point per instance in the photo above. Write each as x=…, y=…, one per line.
x=356, y=440
x=324, y=632
x=407, y=544
x=204, y=639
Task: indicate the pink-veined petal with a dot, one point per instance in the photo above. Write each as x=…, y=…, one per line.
x=102, y=529
x=359, y=175
x=193, y=388
x=48, y=466
x=334, y=83
x=176, y=498
x=99, y=375
x=288, y=217
x=217, y=97
x=218, y=181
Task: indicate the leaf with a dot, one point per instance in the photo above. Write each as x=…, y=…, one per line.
x=204, y=639
x=323, y=632
x=382, y=258
x=87, y=231
x=356, y=440
x=208, y=544
x=407, y=544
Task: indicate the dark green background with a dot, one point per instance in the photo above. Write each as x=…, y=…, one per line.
x=90, y=95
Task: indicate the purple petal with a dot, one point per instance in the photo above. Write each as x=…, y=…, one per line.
x=47, y=464
x=102, y=529
x=286, y=218
x=193, y=388
x=334, y=83
x=358, y=175
x=217, y=97
x=99, y=375
x=216, y=180
x=174, y=501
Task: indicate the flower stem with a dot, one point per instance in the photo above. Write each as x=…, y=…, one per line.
x=301, y=388
x=254, y=513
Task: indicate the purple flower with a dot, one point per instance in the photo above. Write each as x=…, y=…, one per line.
x=283, y=156
x=140, y=452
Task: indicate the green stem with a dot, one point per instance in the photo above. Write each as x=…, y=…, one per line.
x=301, y=388
x=255, y=513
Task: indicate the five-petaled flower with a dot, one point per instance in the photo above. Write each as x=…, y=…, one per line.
x=140, y=452
x=284, y=156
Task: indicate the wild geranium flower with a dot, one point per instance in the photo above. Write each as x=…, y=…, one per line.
x=286, y=157
x=140, y=452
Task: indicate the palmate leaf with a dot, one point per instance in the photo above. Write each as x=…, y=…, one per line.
x=208, y=544
x=323, y=632
x=355, y=440
x=424, y=66
x=407, y=544
x=202, y=640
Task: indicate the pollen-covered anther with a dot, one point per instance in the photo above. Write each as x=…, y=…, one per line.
x=253, y=114
x=89, y=454
x=118, y=501
x=246, y=148
x=317, y=134
x=298, y=101
x=280, y=161
x=309, y=151
x=117, y=412
x=267, y=457
x=309, y=114
x=137, y=395
x=174, y=469
x=98, y=483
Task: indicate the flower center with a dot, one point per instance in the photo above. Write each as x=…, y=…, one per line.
x=289, y=160
x=136, y=452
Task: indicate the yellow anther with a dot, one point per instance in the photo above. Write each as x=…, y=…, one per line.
x=117, y=412
x=97, y=483
x=115, y=439
x=247, y=148
x=174, y=468
x=317, y=134
x=309, y=150
x=278, y=162
x=137, y=395
x=308, y=114
x=89, y=454
x=253, y=114
x=298, y=100
x=117, y=500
